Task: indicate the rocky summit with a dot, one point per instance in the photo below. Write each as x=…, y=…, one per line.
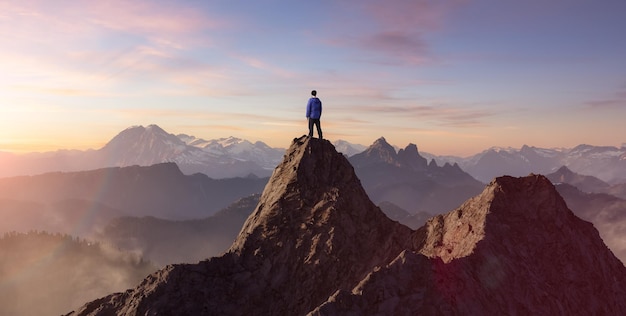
x=515, y=249
x=317, y=245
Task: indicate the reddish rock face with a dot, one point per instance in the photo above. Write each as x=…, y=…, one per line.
x=316, y=244
x=514, y=249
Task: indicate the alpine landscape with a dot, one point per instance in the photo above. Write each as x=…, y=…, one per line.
x=316, y=245
x=303, y=158
x=328, y=231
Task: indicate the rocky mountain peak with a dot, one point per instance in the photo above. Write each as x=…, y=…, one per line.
x=410, y=157
x=144, y=146
x=513, y=249
x=379, y=152
x=313, y=232
x=311, y=171
x=565, y=171
x=582, y=182
x=505, y=202
x=311, y=226
x=456, y=234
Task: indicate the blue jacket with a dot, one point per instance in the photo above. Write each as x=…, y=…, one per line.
x=314, y=108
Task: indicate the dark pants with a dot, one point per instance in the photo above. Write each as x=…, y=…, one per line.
x=315, y=122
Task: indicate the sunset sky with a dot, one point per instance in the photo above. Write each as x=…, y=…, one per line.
x=454, y=77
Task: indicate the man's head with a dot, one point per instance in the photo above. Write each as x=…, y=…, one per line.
x=313, y=93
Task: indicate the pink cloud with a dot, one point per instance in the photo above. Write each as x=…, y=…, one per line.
x=265, y=66
x=77, y=46
x=396, y=29
x=443, y=115
x=410, y=14
x=406, y=47
x=164, y=24
x=140, y=17
x=604, y=104
x=617, y=101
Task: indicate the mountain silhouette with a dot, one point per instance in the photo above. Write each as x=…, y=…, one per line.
x=407, y=180
x=169, y=241
x=606, y=163
x=584, y=183
x=317, y=245
x=56, y=201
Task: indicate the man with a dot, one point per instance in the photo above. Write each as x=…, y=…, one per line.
x=313, y=114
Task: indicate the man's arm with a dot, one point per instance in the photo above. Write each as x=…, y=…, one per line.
x=308, y=108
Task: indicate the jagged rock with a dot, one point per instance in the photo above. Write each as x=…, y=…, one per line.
x=313, y=232
x=410, y=157
x=379, y=152
x=514, y=249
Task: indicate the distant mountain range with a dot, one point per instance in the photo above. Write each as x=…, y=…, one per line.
x=407, y=180
x=169, y=241
x=145, y=146
x=235, y=157
x=604, y=162
x=77, y=202
x=598, y=202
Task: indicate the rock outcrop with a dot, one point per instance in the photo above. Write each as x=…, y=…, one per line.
x=317, y=245
x=313, y=232
x=515, y=249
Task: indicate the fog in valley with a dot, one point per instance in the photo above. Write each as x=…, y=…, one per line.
x=51, y=274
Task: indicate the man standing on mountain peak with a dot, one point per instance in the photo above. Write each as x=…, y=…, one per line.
x=313, y=113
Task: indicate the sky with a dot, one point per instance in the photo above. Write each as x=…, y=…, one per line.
x=454, y=77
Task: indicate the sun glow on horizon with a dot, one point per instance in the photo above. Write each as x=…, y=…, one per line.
x=74, y=75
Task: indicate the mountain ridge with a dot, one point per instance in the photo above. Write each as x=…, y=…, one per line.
x=317, y=245
x=160, y=190
x=233, y=157
x=472, y=265
x=406, y=179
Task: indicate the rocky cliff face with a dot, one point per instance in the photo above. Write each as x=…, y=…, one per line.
x=313, y=232
x=317, y=245
x=514, y=249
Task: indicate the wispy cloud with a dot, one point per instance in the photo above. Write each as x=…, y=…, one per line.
x=618, y=100
x=396, y=29
x=101, y=42
x=606, y=104
x=441, y=115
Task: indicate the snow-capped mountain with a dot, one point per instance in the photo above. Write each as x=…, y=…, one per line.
x=235, y=157
x=239, y=149
x=145, y=146
x=607, y=163
x=219, y=158
x=347, y=148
